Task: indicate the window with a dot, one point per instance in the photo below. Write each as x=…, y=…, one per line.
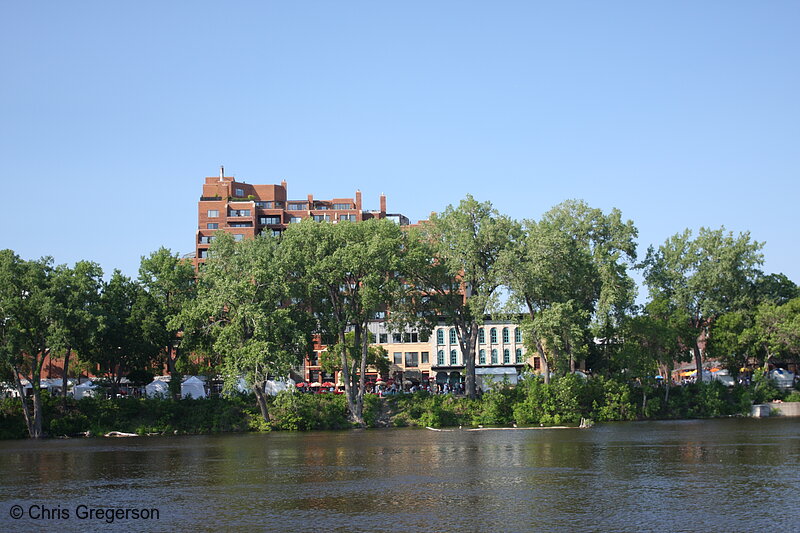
x=453, y=357
x=212, y=213
x=506, y=356
x=383, y=338
x=424, y=336
x=206, y=240
x=519, y=355
x=213, y=225
x=321, y=207
x=396, y=337
x=276, y=233
x=238, y=192
x=439, y=336
x=294, y=220
x=453, y=338
x=297, y=207
x=321, y=218
x=343, y=206
x=398, y=358
x=494, y=357
x=425, y=358
x=482, y=357
x=238, y=212
x=262, y=205
x=412, y=359
x=505, y=335
x=241, y=225
x=481, y=336
x=493, y=336
x=440, y=358
x=238, y=237
x=269, y=220
x=349, y=218
x=406, y=337
x=202, y=254
x=537, y=363
x=518, y=335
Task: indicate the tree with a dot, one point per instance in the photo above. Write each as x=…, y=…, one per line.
x=75, y=298
x=121, y=345
x=25, y=294
x=344, y=273
x=566, y=270
x=705, y=277
x=454, y=269
x=170, y=281
x=241, y=311
x=778, y=329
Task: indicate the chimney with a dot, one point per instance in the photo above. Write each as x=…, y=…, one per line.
x=383, y=204
x=283, y=184
x=358, y=200
x=311, y=201
x=221, y=173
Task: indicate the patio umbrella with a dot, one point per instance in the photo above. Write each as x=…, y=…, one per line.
x=327, y=384
x=301, y=384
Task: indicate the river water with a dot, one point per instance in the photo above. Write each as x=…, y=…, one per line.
x=709, y=475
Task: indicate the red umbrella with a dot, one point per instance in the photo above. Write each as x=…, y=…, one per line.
x=301, y=384
x=327, y=384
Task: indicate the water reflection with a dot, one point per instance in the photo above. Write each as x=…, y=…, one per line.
x=679, y=476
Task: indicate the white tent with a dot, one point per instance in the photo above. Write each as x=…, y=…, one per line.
x=83, y=390
x=487, y=377
x=274, y=386
x=193, y=387
x=157, y=389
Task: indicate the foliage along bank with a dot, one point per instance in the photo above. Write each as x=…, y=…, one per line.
x=564, y=400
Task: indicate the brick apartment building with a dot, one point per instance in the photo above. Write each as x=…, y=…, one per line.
x=246, y=210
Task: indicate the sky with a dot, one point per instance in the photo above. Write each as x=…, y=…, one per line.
x=681, y=114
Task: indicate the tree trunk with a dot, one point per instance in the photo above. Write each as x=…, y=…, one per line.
x=258, y=389
x=698, y=361
x=37, y=413
x=468, y=351
x=347, y=378
x=25, y=410
x=543, y=359
x=65, y=381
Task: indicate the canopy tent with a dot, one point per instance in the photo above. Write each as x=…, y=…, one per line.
x=488, y=377
x=83, y=390
x=274, y=386
x=193, y=387
x=157, y=389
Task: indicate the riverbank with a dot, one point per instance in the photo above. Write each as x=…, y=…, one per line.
x=563, y=402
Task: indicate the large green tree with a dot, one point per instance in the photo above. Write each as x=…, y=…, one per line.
x=567, y=270
x=344, y=273
x=241, y=312
x=26, y=317
x=454, y=269
x=74, y=307
x=705, y=277
x=170, y=281
x=122, y=344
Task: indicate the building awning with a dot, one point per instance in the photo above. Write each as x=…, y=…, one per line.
x=441, y=377
x=495, y=371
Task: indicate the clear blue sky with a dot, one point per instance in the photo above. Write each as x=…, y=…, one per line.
x=681, y=114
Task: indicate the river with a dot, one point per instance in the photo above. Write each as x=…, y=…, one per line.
x=703, y=475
